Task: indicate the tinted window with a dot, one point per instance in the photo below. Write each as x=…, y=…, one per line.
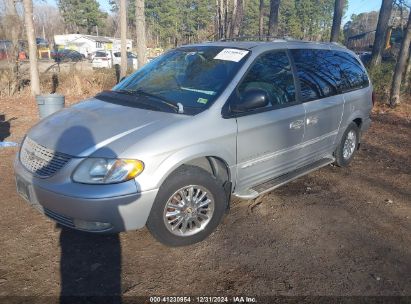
x=318, y=73
x=272, y=73
x=131, y=55
x=353, y=74
x=101, y=54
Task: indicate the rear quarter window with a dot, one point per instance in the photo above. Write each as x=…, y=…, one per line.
x=323, y=73
x=352, y=73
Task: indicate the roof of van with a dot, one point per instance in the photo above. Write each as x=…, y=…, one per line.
x=248, y=45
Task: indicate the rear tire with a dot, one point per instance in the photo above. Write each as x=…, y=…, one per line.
x=348, y=145
x=176, y=218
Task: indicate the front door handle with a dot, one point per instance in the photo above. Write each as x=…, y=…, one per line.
x=297, y=124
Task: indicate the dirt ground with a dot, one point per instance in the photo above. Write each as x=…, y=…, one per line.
x=344, y=232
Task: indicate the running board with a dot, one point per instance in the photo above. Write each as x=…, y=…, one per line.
x=274, y=183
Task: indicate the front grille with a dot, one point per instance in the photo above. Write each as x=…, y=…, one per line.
x=61, y=219
x=40, y=160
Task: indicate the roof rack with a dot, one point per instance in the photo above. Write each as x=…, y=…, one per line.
x=254, y=38
x=276, y=38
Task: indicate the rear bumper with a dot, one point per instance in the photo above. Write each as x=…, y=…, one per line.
x=101, y=65
x=121, y=212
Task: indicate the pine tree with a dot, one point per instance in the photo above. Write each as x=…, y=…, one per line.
x=82, y=15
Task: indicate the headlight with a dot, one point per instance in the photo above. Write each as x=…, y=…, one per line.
x=107, y=171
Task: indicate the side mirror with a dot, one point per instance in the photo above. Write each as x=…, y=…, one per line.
x=250, y=100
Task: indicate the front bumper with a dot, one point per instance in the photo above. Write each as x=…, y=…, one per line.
x=121, y=212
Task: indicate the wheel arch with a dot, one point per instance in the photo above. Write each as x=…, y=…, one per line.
x=357, y=117
x=218, y=162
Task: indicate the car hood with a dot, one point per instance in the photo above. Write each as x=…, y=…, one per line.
x=95, y=125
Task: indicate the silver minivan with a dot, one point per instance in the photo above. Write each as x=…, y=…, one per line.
x=169, y=145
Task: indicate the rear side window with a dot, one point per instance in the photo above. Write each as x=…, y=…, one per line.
x=318, y=73
x=353, y=74
x=271, y=72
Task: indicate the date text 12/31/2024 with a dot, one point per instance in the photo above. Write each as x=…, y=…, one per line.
x=202, y=299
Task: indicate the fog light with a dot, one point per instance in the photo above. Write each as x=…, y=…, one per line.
x=91, y=226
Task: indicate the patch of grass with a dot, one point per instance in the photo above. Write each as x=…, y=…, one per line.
x=78, y=84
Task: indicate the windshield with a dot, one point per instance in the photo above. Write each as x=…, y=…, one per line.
x=190, y=77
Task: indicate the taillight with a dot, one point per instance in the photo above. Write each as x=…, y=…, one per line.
x=373, y=98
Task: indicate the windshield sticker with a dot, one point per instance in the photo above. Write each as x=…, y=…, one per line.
x=199, y=91
x=202, y=100
x=231, y=55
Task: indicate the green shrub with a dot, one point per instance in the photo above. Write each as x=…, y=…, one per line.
x=381, y=77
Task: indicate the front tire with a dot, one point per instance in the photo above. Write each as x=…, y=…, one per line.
x=348, y=146
x=189, y=206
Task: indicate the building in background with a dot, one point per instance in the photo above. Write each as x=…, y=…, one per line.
x=88, y=44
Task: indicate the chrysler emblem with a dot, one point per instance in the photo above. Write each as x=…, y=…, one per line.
x=31, y=156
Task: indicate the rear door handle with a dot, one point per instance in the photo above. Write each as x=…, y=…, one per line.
x=297, y=124
x=312, y=120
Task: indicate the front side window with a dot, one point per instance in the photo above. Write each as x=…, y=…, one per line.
x=272, y=73
x=190, y=76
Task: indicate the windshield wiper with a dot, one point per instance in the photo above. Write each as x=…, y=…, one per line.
x=163, y=100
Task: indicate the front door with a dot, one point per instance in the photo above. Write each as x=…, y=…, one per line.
x=268, y=140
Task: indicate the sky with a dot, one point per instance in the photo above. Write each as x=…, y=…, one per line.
x=361, y=6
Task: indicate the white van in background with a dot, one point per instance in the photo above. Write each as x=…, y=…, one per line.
x=107, y=59
x=102, y=59
x=131, y=60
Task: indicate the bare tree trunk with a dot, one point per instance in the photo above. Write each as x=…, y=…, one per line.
x=380, y=33
x=12, y=22
x=233, y=18
x=400, y=66
x=237, y=19
x=273, y=21
x=407, y=74
x=261, y=20
x=31, y=39
x=221, y=19
x=217, y=20
x=141, y=33
x=338, y=10
x=227, y=21
x=123, y=36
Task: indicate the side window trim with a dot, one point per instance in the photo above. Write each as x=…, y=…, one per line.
x=226, y=113
x=295, y=76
